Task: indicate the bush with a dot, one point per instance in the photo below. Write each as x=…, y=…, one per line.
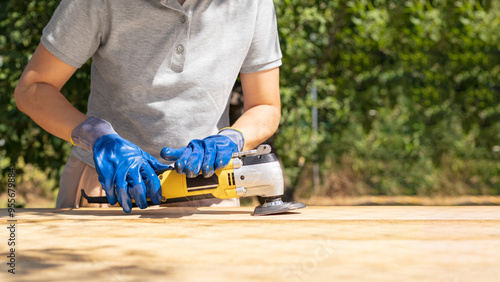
x=408, y=95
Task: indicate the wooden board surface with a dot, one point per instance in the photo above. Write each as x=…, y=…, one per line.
x=217, y=244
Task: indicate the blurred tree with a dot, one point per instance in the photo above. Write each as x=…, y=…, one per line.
x=408, y=93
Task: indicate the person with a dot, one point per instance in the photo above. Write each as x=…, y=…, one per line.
x=161, y=77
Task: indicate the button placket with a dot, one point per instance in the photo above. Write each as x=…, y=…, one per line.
x=179, y=55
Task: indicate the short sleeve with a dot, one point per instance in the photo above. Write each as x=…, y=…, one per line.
x=75, y=31
x=264, y=52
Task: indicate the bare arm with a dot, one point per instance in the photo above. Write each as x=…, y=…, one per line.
x=261, y=96
x=38, y=94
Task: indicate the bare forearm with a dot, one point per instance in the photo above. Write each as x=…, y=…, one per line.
x=258, y=124
x=48, y=108
x=38, y=94
x=261, y=95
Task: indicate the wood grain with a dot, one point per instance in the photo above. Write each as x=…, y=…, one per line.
x=381, y=243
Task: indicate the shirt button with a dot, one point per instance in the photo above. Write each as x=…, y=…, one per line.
x=180, y=49
x=183, y=19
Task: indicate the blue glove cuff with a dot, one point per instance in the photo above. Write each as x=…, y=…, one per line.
x=89, y=131
x=235, y=135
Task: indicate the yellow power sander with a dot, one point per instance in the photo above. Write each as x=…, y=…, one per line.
x=250, y=173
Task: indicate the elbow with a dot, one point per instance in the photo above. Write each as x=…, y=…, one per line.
x=276, y=119
x=276, y=115
x=21, y=96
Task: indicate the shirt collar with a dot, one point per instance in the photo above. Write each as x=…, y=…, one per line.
x=174, y=5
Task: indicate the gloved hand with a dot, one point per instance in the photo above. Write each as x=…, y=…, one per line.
x=125, y=171
x=207, y=155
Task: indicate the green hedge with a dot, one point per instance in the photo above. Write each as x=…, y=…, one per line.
x=408, y=95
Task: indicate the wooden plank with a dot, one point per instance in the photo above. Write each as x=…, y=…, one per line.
x=377, y=243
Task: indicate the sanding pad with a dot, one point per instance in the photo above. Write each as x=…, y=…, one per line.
x=275, y=206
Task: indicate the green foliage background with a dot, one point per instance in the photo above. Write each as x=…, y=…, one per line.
x=408, y=95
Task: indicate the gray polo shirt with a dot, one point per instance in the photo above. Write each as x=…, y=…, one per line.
x=162, y=73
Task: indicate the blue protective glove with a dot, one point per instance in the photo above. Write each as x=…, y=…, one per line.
x=125, y=171
x=207, y=155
